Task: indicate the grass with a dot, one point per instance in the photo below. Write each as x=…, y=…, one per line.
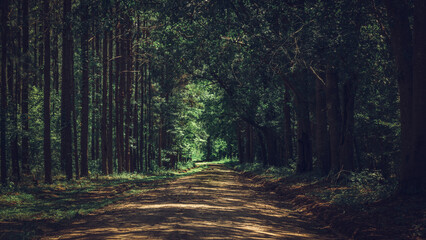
x=354, y=188
x=269, y=172
x=68, y=199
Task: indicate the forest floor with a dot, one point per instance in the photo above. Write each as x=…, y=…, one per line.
x=393, y=217
x=216, y=203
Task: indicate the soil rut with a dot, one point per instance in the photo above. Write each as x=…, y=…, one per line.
x=216, y=203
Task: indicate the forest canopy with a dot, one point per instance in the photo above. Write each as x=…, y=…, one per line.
x=103, y=87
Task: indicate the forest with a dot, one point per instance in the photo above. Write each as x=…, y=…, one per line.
x=318, y=101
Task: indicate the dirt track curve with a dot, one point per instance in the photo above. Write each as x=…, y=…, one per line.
x=216, y=203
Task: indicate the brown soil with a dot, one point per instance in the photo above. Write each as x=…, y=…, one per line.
x=217, y=203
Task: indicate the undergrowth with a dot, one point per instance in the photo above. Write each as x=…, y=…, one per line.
x=352, y=188
x=62, y=199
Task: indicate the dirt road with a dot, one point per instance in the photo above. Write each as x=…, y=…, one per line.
x=216, y=203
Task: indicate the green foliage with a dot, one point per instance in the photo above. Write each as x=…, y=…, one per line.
x=360, y=188
x=259, y=169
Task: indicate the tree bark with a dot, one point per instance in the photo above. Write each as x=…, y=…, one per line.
x=15, y=101
x=118, y=103
x=347, y=137
x=85, y=89
x=413, y=178
x=25, y=81
x=333, y=117
x=402, y=47
x=104, y=126
x=304, y=143
x=4, y=42
x=322, y=141
x=288, y=139
x=66, y=95
x=110, y=105
x=46, y=105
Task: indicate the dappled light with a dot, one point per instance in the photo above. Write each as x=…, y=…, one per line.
x=214, y=204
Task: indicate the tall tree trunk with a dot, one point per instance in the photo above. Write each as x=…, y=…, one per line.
x=136, y=151
x=16, y=96
x=322, y=141
x=347, y=137
x=66, y=95
x=85, y=89
x=128, y=93
x=46, y=105
x=333, y=117
x=4, y=42
x=25, y=81
x=74, y=118
x=413, y=179
x=110, y=105
x=95, y=115
x=150, y=119
x=402, y=47
x=118, y=103
x=104, y=126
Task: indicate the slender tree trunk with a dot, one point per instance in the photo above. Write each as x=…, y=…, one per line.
x=263, y=148
x=347, y=138
x=240, y=143
x=322, y=141
x=74, y=118
x=333, y=117
x=14, y=116
x=36, y=48
x=288, y=139
x=25, y=81
x=249, y=143
x=104, y=126
x=46, y=106
x=95, y=125
x=160, y=141
x=85, y=90
x=118, y=104
x=110, y=105
x=128, y=92
x=136, y=156
x=413, y=179
x=304, y=144
x=135, y=160
x=150, y=119
x=55, y=57
x=4, y=42
x=271, y=147
x=66, y=95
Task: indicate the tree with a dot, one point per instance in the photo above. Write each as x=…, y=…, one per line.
x=66, y=94
x=46, y=106
x=413, y=177
x=25, y=82
x=104, y=120
x=85, y=89
x=4, y=42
